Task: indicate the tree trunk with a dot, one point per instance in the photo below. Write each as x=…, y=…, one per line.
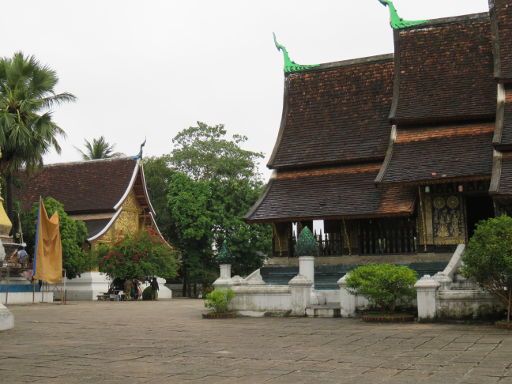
x=509, y=303
x=8, y=197
x=184, y=288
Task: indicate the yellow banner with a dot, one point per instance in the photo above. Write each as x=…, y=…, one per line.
x=48, y=260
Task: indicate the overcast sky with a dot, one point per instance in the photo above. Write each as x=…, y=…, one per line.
x=151, y=68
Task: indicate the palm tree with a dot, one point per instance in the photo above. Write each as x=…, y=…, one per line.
x=98, y=149
x=27, y=129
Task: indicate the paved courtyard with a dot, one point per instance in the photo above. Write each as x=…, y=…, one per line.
x=168, y=342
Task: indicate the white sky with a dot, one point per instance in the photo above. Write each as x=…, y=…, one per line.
x=151, y=68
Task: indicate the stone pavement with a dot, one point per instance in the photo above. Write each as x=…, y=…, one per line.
x=168, y=342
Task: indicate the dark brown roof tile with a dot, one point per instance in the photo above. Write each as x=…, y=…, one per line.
x=344, y=192
x=444, y=72
x=89, y=186
x=335, y=114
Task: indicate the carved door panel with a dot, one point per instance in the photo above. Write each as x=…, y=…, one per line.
x=448, y=219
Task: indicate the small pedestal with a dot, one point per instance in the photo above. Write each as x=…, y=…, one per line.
x=348, y=301
x=426, y=291
x=300, y=287
x=224, y=281
x=307, y=268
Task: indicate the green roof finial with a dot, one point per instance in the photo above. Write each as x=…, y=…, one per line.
x=224, y=256
x=396, y=21
x=290, y=65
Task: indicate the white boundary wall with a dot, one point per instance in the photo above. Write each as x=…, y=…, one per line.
x=442, y=297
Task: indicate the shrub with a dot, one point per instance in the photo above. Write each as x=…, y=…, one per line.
x=218, y=300
x=384, y=285
x=306, y=244
x=137, y=257
x=147, y=294
x=488, y=258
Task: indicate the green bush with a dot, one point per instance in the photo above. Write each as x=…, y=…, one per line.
x=137, y=257
x=385, y=285
x=218, y=300
x=488, y=259
x=306, y=244
x=147, y=294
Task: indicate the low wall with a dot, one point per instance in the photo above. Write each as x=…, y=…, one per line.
x=466, y=304
x=262, y=298
x=87, y=287
x=26, y=297
x=447, y=296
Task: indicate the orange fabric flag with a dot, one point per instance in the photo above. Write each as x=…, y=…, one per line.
x=48, y=260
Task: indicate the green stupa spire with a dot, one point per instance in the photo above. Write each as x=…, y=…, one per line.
x=224, y=256
x=396, y=21
x=290, y=65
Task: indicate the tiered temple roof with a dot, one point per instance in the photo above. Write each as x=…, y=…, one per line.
x=358, y=137
x=336, y=113
x=332, y=141
x=93, y=191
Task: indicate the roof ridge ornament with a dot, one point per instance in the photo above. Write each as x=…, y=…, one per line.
x=291, y=66
x=141, y=151
x=395, y=20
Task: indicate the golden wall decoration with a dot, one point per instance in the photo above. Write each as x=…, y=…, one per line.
x=448, y=220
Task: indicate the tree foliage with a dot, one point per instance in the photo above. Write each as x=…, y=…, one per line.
x=99, y=148
x=202, y=191
x=27, y=128
x=384, y=285
x=138, y=257
x=488, y=258
x=215, y=184
x=73, y=234
x=205, y=152
x=158, y=175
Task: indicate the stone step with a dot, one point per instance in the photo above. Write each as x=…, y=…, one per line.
x=328, y=310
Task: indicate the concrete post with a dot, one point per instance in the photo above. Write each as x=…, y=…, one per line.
x=348, y=301
x=224, y=281
x=300, y=287
x=307, y=268
x=426, y=291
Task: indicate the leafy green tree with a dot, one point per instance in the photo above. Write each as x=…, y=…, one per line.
x=158, y=175
x=138, y=257
x=384, y=285
x=205, y=152
x=211, y=185
x=488, y=258
x=75, y=259
x=98, y=149
x=27, y=128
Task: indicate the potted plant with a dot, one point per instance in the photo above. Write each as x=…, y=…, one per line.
x=217, y=301
x=488, y=261
x=386, y=286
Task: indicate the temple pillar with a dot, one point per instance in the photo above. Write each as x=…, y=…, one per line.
x=426, y=291
x=348, y=301
x=282, y=239
x=301, y=288
x=307, y=268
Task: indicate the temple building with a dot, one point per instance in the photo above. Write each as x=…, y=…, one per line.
x=109, y=195
x=399, y=155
